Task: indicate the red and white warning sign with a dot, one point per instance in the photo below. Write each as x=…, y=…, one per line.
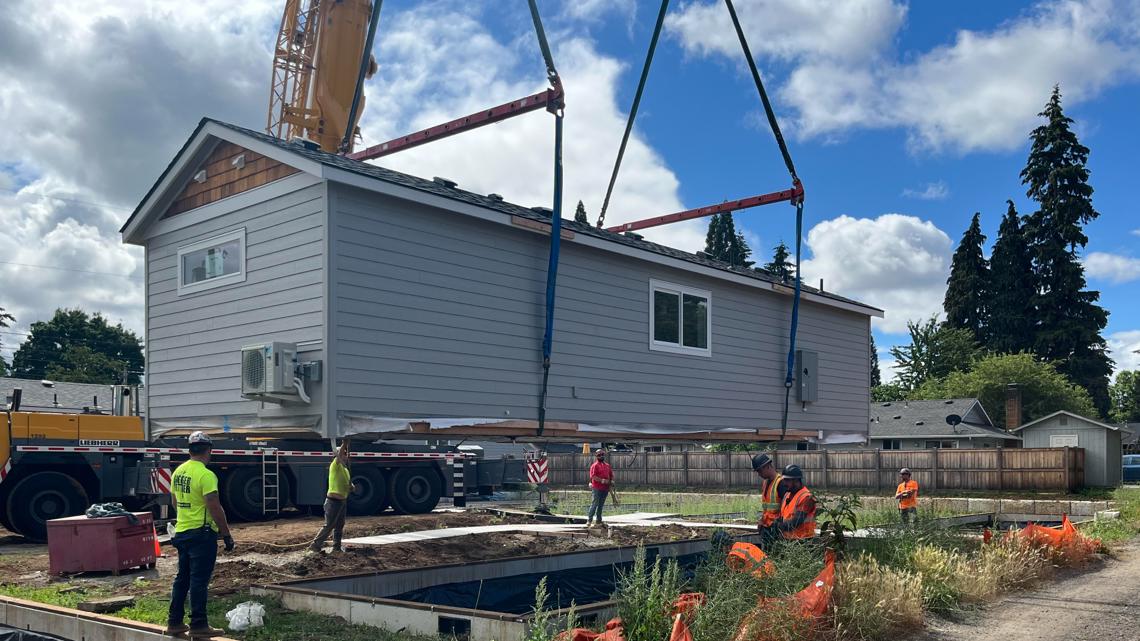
x=537, y=470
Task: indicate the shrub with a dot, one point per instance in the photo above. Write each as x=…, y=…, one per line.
x=645, y=597
x=873, y=601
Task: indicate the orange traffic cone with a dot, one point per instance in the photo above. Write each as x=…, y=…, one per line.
x=157, y=547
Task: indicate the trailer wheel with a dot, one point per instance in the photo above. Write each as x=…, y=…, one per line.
x=415, y=490
x=242, y=497
x=43, y=496
x=371, y=496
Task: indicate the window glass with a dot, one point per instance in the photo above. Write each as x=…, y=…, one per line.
x=696, y=321
x=665, y=317
x=212, y=262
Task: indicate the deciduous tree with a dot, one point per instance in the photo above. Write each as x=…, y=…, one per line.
x=78, y=347
x=934, y=351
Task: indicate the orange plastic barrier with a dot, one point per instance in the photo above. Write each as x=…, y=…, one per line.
x=1065, y=542
x=680, y=630
x=746, y=557
x=613, y=632
x=808, y=605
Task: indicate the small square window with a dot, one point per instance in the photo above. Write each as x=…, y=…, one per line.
x=680, y=319
x=212, y=263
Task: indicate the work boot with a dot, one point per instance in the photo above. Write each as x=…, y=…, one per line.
x=206, y=632
x=176, y=629
x=589, y=522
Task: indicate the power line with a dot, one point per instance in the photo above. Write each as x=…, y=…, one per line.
x=71, y=269
x=77, y=201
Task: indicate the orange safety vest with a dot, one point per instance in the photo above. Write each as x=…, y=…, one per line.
x=908, y=502
x=746, y=557
x=798, y=503
x=770, y=501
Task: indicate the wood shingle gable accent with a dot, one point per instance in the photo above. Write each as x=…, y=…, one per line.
x=224, y=179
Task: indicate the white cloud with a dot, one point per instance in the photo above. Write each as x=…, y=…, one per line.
x=1136, y=232
x=1124, y=348
x=895, y=262
x=980, y=91
x=514, y=158
x=932, y=191
x=1112, y=267
x=888, y=367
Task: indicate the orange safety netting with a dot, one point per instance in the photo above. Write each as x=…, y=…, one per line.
x=613, y=632
x=1066, y=541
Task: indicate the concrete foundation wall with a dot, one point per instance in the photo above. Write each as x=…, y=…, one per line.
x=76, y=624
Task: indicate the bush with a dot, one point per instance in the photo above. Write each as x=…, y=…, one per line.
x=873, y=601
x=645, y=597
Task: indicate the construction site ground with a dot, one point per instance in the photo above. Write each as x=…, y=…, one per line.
x=274, y=551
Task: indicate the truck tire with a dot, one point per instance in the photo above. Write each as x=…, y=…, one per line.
x=372, y=496
x=241, y=494
x=415, y=490
x=40, y=497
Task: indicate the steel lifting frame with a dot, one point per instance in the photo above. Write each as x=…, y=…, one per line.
x=793, y=195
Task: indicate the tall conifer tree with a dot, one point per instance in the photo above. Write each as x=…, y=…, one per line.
x=580, y=214
x=724, y=243
x=967, y=291
x=1011, y=327
x=1070, y=321
x=780, y=265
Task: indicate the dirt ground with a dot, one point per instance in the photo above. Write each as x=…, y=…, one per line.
x=1101, y=604
x=274, y=551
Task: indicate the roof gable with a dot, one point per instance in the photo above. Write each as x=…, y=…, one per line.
x=1083, y=419
x=229, y=170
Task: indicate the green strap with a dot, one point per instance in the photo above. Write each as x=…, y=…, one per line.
x=633, y=109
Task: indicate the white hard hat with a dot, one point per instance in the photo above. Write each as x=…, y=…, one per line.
x=200, y=437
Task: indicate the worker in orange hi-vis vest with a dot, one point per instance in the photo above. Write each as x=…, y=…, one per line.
x=770, y=483
x=797, y=510
x=907, y=496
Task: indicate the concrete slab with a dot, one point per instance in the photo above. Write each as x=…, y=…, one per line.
x=1050, y=507
x=445, y=533
x=1082, y=508
x=982, y=505
x=640, y=516
x=1016, y=506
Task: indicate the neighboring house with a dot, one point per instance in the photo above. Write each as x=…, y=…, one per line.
x=910, y=425
x=55, y=396
x=425, y=303
x=1101, y=442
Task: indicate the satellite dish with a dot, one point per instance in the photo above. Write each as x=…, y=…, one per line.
x=953, y=419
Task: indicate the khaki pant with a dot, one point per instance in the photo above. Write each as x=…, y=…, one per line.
x=335, y=510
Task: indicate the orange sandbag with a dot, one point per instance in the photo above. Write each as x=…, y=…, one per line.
x=746, y=557
x=613, y=632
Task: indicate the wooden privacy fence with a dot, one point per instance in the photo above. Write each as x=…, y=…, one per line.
x=1055, y=468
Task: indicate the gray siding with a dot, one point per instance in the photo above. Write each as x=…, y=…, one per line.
x=440, y=315
x=1102, y=457
x=194, y=340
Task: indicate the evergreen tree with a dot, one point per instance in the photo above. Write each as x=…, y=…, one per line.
x=780, y=265
x=876, y=376
x=967, y=290
x=580, y=214
x=1069, y=321
x=724, y=243
x=1012, y=288
x=5, y=318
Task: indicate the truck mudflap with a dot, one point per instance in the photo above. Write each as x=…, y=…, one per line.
x=5, y=469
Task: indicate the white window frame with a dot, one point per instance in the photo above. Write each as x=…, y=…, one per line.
x=221, y=281
x=1064, y=440
x=679, y=347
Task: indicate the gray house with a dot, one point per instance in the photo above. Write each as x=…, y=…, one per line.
x=57, y=396
x=911, y=425
x=1101, y=442
x=424, y=304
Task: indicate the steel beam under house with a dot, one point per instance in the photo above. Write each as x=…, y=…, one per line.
x=792, y=195
x=551, y=100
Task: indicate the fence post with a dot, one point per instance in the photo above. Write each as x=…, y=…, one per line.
x=824, y=453
x=1001, y=467
x=728, y=469
x=645, y=469
x=1068, y=465
x=934, y=469
x=685, y=466
x=878, y=469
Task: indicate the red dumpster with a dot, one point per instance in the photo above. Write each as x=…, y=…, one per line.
x=107, y=544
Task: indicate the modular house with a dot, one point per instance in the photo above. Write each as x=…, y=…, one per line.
x=424, y=302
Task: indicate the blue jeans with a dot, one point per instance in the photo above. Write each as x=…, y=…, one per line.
x=197, y=552
x=596, y=505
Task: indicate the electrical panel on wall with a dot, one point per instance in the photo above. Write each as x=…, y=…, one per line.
x=807, y=377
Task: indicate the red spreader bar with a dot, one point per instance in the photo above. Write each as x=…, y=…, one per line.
x=551, y=100
x=794, y=194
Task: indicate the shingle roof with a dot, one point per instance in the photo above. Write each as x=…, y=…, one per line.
x=71, y=397
x=917, y=419
x=448, y=190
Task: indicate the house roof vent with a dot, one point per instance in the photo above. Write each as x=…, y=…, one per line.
x=450, y=184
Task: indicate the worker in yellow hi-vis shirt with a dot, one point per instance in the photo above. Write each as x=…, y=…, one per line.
x=201, y=520
x=336, y=501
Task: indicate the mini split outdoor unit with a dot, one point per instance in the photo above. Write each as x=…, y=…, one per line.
x=267, y=371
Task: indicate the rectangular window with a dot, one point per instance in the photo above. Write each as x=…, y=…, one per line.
x=945, y=445
x=892, y=444
x=1063, y=440
x=680, y=319
x=212, y=263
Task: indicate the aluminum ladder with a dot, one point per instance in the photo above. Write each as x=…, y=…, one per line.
x=270, y=482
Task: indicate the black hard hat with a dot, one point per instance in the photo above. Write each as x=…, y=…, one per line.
x=793, y=472
x=760, y=460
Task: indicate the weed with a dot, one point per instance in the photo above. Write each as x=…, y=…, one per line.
x=940, y=571
x=729, y=597
x=541, y=625
x=874, y=601
x=837, y=516
x=645, y=597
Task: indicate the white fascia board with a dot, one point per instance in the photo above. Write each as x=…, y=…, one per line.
x=160, y=197
x=335, y=174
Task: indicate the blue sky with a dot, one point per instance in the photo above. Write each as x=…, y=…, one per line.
x=904, y=118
